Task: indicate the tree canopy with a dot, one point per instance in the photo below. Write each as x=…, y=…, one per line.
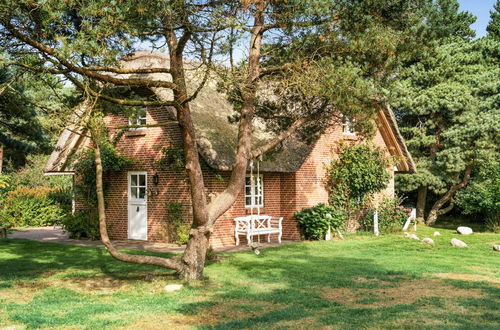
x=449, y=111
x=493, y=27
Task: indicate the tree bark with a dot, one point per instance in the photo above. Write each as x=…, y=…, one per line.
x=421, y=200
x=193, y=259
x=437, y=207
x=243, y=153
x=194, y=256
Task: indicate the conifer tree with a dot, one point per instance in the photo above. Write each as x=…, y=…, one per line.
x=493, y=27
x=445, y=24
x=449, y=113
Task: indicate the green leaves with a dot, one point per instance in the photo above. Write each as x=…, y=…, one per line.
x=315, y=221
x=449, y=111
x=493, y=27
x=360, y=171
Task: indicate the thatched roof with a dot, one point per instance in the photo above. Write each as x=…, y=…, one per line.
x=216, y=136
x=69, y=142
x=407, y=164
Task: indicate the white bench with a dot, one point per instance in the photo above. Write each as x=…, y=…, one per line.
x=253, y=225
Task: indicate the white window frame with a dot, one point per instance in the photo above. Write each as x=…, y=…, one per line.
x=137, y=186
x=253, y=187
x=348, y=127
x=138, y=119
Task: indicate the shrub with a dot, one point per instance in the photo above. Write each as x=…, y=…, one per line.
x=360, y=171
x=391, y=216
x=493, y=224
x=25, y=207
x=85, y=186
x=183, y=233
x=481, y=198
x=31, y=175
x=314, y=221
x=82, y=224
x=178, y=229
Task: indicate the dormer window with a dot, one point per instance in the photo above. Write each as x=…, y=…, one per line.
x=348, y=127
x=138, y=118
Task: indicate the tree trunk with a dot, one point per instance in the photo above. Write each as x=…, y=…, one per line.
x=436, y=208
x=421, y=200
x=193, y=259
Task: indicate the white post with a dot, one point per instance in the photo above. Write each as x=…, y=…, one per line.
x=414, y=216
x=328, y=236
x=375, y=223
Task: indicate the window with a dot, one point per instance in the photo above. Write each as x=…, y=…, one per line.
x=348, y=127
x=138, y=118
x=254, y=191
x=137, y=186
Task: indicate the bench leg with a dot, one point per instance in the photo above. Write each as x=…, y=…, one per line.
x=249, y=239
x=237, y=238
x=268, y=238
x=279, y=237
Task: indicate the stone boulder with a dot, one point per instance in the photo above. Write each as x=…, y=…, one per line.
x=464, y=230
x=458, y=243
x=412, y=236
x=173, y=287
x=428, y=240
x=436, y=233
x=496, y=248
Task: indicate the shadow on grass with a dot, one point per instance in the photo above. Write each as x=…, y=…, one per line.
x=23, y=259
x=453, y=222
x=299, y=301
x=284, y=287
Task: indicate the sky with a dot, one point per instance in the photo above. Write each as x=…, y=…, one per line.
x=481, y=9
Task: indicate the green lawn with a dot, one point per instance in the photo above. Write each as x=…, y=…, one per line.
x=362, y=282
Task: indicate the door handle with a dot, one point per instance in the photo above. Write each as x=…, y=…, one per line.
x=137, y=208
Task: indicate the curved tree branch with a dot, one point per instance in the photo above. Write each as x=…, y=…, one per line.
x=82, y=70
x=138, y=259
x=434, y=212
x=279, y=138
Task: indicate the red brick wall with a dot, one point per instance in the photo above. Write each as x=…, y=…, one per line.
x=308, y=186
x=284, y=193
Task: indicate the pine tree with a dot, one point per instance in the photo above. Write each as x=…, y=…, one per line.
x=449, y=113
x=21, y=132
x=444, y=24
x=493, y=27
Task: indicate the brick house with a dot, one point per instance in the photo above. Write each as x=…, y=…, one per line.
x=292, y=177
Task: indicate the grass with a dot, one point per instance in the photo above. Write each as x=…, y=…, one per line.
x=362, y=282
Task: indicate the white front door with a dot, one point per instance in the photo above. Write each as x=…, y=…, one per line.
x=137, y=206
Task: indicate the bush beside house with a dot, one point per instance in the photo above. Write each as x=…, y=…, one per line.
x=31, y=207
x=353, y=179
x=391, y=216
x=28, y=198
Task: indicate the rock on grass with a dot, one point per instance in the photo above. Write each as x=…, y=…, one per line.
x=464, y=230
x=458, y=243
